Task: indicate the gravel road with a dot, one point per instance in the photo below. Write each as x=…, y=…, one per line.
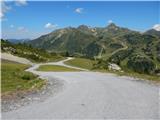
x=93, y=95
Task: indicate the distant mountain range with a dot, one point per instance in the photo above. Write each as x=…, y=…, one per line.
x=15, y=41
x=91, y=42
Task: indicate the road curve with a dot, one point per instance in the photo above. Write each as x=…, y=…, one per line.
x=93, y=95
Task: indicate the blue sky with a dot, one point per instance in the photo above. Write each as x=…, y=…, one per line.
x=30, y=19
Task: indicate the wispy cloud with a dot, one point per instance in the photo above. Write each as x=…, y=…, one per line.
x=110, y=21
x=79, y=10
x=4, y=8
x=22, y=29
x=21, y=2
x=50, y=26
x=156, y=27
x=1, y=14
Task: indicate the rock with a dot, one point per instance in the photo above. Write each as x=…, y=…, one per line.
x=113, y=66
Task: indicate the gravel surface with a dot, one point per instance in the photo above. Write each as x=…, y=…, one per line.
x=92, y=95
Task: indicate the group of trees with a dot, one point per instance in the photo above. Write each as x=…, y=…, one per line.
x=141, y=64
x=120, y=55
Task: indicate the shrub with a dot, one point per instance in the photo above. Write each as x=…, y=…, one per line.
x=158, y=58
x=120, y=55
x=141, y=64
x=28, y=76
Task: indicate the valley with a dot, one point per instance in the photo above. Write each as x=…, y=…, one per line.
x=111, y=49
x=80, y=60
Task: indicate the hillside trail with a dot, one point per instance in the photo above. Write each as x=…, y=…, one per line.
x=92, y=95
x=123, y=48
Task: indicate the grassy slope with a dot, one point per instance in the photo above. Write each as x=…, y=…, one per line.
x=88, y=64
x=81, y=62
x=14, y=78
x=33, y=54
x=55, y=68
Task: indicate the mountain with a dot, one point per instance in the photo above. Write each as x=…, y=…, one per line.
x=153, y=32
x=15, y=41
x=68, y=39
x=112, y=30
x=77, y=40
x=111, y=43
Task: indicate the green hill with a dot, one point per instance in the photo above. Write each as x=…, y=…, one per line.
x=111, y=44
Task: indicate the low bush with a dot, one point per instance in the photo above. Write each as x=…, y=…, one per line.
x=120, y=55
x=141, y=64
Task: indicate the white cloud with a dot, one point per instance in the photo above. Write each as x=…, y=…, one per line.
x=22, y=29
x=79, y=10
x=21, y=2
x=1, y=14
x=12, y=26
x=4, y=8
x=156, y=27
x=50, y=25
x=110, y=21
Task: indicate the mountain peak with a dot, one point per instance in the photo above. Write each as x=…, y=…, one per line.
x=83, y=27
x=112, y=26
x=153, y=32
